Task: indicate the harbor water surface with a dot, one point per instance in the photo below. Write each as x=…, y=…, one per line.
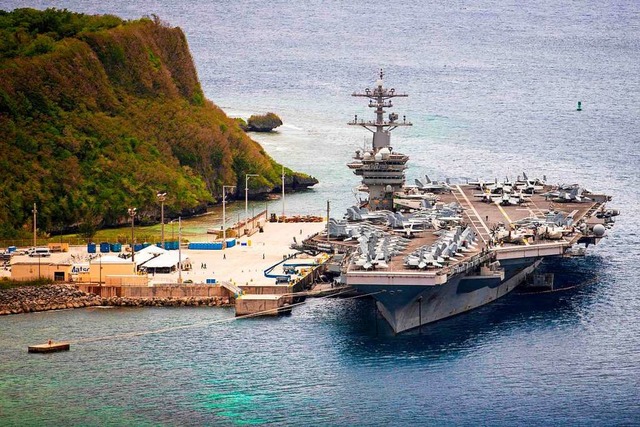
x=493, y=91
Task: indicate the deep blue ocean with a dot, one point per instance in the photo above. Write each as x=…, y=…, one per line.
x=493, y=88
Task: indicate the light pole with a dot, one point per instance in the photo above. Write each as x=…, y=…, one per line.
x=179, y=245
x=161, y=198
x=328, y=212
x=282, y=193
x=246, y=197
x=224, y=214
x=179, y=250
x=132, y=214
x=35, y=217
x=100, y=277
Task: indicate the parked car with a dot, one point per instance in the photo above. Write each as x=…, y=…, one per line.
x=39, y=252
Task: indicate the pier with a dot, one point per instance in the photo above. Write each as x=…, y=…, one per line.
x=224, y=275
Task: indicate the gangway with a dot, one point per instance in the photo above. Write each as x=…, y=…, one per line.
x=280, y=278
x=301, y=264
x=231, y=287
x=289, y=265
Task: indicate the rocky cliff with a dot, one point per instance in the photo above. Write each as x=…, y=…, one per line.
x=98, y=114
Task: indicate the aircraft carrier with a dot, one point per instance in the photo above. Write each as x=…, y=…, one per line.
x=431, y=250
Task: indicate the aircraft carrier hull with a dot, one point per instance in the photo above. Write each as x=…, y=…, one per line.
x=408, y=306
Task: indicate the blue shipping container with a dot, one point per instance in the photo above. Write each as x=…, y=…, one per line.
x=203, y=246
x=91, y=248
x=104, y=247
x=116, y=247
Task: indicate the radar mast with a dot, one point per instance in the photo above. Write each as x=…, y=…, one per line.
x=382, y=169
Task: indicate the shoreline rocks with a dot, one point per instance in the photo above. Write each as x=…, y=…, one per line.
x=30, y=299
x=260, y=122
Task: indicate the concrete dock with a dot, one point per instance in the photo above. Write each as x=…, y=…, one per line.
x=244, y=264
x=266, y=304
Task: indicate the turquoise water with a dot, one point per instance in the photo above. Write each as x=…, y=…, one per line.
x=493, y=90
x=522, y=360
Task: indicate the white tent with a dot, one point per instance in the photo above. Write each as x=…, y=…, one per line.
x=109, y=259
x=152, y=249
x=150, y=252
x=165, y=262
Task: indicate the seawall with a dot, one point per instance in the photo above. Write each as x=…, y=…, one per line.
x=29, y=299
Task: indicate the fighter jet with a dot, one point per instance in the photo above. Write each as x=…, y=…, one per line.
x=412, y=228
x=506, y=197
x=498, y=187
x=513, y=199
x=479, y=183
x=487, y=197
x=433, y=186
x=566, y=194
x=530, y=186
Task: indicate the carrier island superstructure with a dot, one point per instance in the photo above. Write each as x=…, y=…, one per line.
x=381, y=169
x=436, y=249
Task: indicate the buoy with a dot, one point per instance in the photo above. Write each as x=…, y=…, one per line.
x=579, y=106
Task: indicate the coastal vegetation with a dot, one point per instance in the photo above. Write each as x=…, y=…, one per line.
x=98, y=114
x=6, y=283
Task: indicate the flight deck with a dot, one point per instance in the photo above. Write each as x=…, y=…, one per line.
x=502, y=227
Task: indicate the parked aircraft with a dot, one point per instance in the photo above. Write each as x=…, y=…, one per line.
x=513, y=199
x=566, y=194
x=530, y=186
x=433, y=186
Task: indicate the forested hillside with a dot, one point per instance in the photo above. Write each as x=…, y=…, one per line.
x=98, y=114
